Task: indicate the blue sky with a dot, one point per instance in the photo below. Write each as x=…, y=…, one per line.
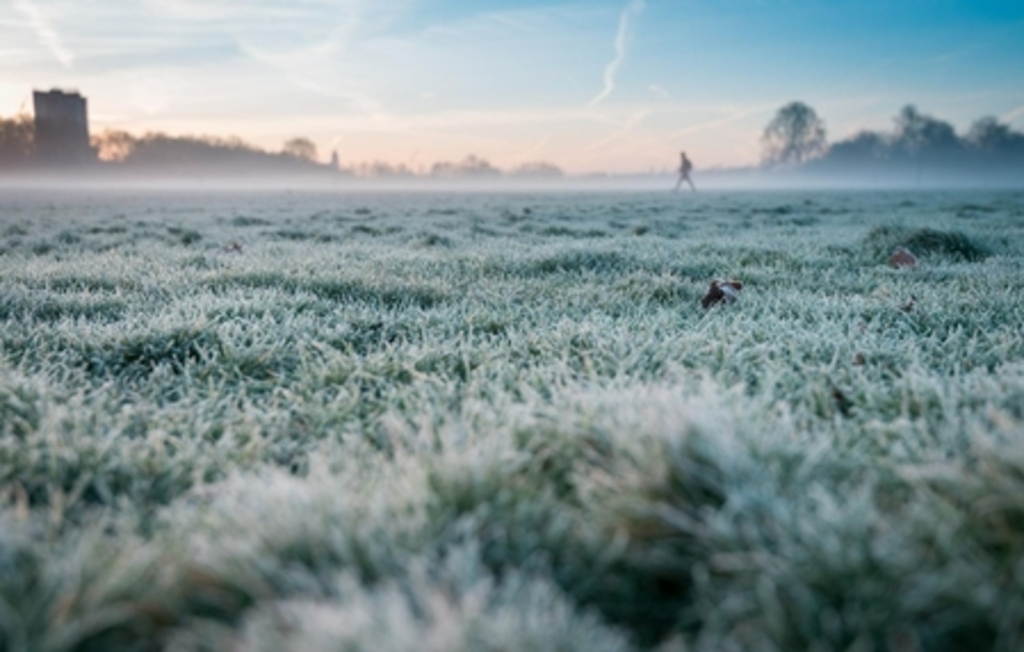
x=596, y=86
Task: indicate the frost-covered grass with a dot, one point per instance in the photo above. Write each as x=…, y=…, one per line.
x=485, y=422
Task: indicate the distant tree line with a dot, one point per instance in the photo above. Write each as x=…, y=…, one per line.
x=796, y=137
x=161, y=153
x=471, y=167
x=158, y=152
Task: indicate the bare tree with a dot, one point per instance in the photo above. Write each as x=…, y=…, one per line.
x=114, y=145
x=795, y=135
x=17, y=137
x=301, y=148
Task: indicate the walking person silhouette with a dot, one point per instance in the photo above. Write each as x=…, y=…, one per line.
x=684, y=173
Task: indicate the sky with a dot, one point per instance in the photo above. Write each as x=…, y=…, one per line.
x=616, y=86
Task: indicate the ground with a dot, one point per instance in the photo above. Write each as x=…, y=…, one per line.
x=495, y=422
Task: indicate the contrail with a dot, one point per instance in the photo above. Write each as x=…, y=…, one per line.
x=718, y=122
x=1012, y=116
x=48, y=36
x=633, y=8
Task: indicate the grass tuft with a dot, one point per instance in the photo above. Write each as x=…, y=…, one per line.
x=882, y=240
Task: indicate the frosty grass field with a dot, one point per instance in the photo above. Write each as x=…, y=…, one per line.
x=503, y=422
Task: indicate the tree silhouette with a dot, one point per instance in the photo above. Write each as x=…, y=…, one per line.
x=916, y=131
x=301, y=148
x=795, y=135
x=538, y=170
x=470, y=167
x=991, y=135
x=383, y=169
x=112, y=145
x=17, y=137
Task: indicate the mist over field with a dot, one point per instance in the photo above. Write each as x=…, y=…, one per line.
x=417, y=420
x=920, y=152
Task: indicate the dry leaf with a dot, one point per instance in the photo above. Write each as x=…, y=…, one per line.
x=901, y=257
x=721, y=292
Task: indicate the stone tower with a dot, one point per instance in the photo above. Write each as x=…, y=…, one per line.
x=62, y=128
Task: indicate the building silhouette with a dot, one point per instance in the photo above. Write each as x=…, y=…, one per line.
x=61, y=128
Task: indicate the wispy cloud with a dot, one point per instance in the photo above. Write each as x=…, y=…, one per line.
x=317, y=70
x=633, y=8
x=732, y=115
x=1012, y=116
x=321, y=51
x=625, y=131
x=45, y=32
x=531, y=149
x=658, y=90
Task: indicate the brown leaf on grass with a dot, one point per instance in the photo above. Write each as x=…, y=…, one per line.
x=721, y=292
x=901, y=257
